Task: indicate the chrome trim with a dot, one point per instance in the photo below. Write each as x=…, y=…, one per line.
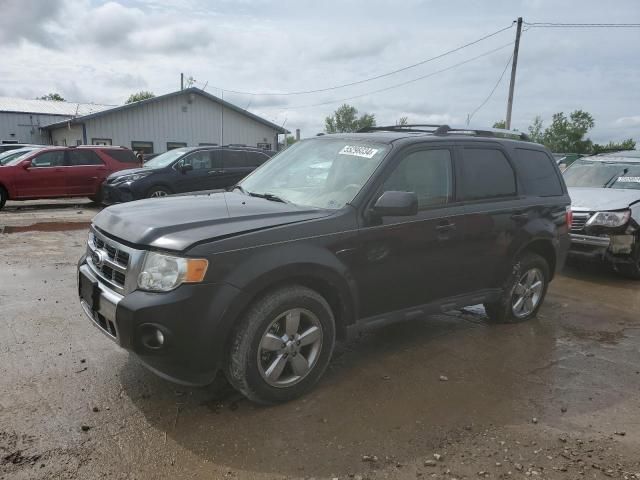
x=590, y=240
x=108, y=302
x=130, y=271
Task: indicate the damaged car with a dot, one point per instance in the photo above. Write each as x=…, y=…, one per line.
x=605, y=200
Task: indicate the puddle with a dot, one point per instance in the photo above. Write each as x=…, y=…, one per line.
x=46, y=227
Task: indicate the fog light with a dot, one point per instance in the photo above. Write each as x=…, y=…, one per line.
x=159, y=338
x=152, y=337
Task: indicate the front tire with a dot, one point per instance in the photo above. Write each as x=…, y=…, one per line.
x=282, y=346
x=3, y=197
x=524, y=291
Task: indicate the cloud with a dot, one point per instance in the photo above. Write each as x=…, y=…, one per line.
x=633, y=121
x=30, y=21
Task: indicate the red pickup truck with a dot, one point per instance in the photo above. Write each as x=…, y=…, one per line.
x=55, y=172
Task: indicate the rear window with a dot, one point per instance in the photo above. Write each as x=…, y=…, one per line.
x=124, y=156
x=537, y=173
x=486, y=174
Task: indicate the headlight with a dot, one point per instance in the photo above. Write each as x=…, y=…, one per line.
x=161, y=273
x=609, y=219
x=130, y=178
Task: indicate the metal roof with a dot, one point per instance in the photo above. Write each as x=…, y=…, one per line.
x=49, y=107
x=159, y=98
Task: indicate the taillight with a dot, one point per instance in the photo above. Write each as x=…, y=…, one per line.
x=569, y=217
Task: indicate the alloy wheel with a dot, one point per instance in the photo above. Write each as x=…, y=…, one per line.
x=527, y=293
x=290, y=347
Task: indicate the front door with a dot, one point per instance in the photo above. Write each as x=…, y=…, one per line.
x=201, y=175
x=44, y=177
x=409, y=261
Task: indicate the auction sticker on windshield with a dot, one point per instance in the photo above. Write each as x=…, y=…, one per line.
x=358, y=151
x=629, y=179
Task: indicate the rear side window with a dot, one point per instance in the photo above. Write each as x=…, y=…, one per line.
x=234, y=158
x=123, y=156
x=486, y=174
x=255, y=159
x=537, y=173
x=83, y=157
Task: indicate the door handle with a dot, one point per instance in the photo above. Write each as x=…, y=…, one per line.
x=216, y=172
x=445, y=226
x=520, y=216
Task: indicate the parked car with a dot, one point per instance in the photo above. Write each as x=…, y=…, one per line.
x=9, y=155
x=261, y=280
x=605, y=199
x=185, y=169
x=5, y=147
x=56, y=172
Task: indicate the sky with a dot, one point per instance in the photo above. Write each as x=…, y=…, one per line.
x=101, y=52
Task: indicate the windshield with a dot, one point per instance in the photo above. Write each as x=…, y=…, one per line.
x=13, y=157
x=320, y=173
x=166, y=158
x=617, y=174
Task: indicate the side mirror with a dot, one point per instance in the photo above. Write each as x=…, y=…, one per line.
x=396, y=204
x=26, y=164
x=187, y=167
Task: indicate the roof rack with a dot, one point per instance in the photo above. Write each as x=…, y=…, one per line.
x=446, y=130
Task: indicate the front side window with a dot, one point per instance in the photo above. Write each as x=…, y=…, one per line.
x=599, y=174
x=427, y=173
x=200, y=160
x=83, y=157
x=320, y=173
x=167, y=158
x=49, y=159
x=486, y=174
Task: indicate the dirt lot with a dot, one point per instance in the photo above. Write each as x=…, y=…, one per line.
x=448, y=396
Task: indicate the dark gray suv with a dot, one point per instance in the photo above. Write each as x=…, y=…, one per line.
x=335, y=233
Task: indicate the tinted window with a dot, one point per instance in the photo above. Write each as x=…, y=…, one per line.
x=144, y=147
x=49, y=159
x=234, y=159
x=255, y=159
x=83, y=157
x=427, y=173
x=486, y=173
x=537, y=173
x=216, y=158
x=124, y=156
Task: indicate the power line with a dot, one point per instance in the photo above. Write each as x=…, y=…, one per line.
x=422, y=77
x=504, y=70
x=581, y=25
x=358, y=82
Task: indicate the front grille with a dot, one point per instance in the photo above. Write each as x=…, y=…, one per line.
x=579, y=221
x=110, y=260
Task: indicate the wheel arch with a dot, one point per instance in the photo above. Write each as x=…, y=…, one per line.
x=545, y=248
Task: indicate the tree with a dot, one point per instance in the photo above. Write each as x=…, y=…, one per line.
x=345, y=119
x=628, y=144
x=500, y=124
x=403, y=121
x=568, y=134
x=536, y=133
x=139, y=96
x=291, y=140
x=56, y=97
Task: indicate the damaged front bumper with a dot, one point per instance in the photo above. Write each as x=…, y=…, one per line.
x=610, y=248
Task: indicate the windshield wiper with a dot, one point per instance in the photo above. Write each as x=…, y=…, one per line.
x=268, y=196
x=614, y=179
x=239, y=187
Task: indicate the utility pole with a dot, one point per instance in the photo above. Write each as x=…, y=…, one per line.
x=513, y=74
x=182, y=81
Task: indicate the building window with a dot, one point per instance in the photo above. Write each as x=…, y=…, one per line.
x=101, y=141
x=144, y=147
x=78, y=143
x=172, y=145
x=207, y=144
x=264, y=146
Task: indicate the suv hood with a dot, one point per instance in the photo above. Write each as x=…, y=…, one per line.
x=177, y=222
x=600, y=199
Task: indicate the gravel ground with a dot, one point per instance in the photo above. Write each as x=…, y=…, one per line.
x=448, y=396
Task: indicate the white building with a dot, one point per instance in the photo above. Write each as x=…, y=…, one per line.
x=22, y=121
x=187, y=117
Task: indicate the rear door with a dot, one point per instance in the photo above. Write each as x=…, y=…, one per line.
x=85, y=172
x=238, y=164
x=202, y=174
x=488, y=188
x=45, y=177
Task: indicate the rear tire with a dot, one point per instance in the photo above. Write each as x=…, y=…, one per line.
x=282, y=346
x=3, y=197
x=524, y=291
x=156, y=192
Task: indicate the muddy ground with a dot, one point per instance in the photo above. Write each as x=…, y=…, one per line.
x=448, y=396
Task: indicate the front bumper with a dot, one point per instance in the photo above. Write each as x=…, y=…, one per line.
x=615, y=249
x=117, y=194
x=194, y=320
x=590, y=240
